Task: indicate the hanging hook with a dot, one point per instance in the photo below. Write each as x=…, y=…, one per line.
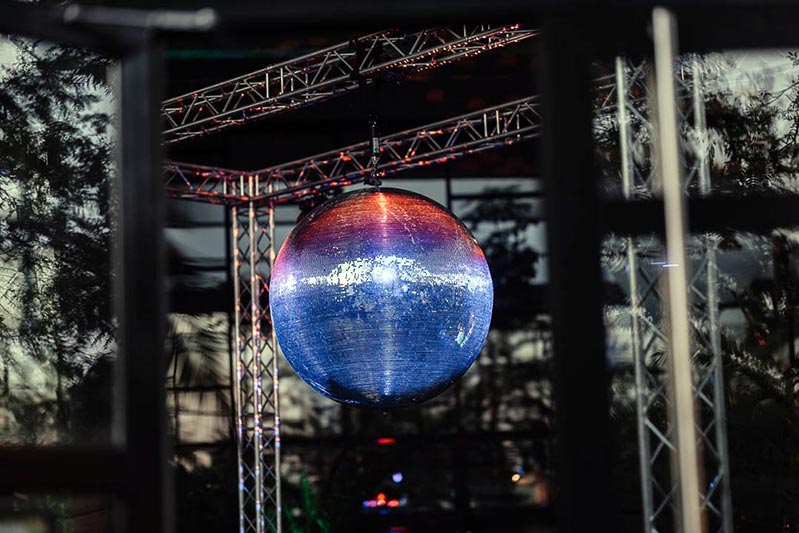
x=374, y=162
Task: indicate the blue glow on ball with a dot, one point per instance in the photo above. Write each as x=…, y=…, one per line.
x=380, y=298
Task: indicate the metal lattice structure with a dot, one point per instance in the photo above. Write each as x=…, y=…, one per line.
x=257, y=380
x=252, y=196
x=656, y=439
x=443, y=141
x=327, y=73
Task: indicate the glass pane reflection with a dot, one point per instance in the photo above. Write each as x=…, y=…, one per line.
x=56, y=164
x=739, y=114
x=755, y=282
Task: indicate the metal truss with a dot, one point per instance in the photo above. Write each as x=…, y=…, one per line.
x=256, y=192
x=256, y=383
x=252, y=196
x=656, y=440
x=443, y=141
x=324, y=74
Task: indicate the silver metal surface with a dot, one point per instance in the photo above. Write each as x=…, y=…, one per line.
x=256, y=383
x=325, y=74
x=439, y=142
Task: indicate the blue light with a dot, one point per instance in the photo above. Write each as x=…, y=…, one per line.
x=380, y=298
x=396, y=477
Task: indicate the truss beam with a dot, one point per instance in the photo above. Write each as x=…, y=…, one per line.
x=434, y=143
x=324, y=74
x=256, y=383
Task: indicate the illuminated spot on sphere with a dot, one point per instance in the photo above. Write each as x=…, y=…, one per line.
x=380, y=298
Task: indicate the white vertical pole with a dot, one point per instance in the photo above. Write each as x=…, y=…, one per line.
x=639, y=357
x=686, y=466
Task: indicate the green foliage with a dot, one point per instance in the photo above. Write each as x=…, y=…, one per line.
x=56, y=214
x=312, y=518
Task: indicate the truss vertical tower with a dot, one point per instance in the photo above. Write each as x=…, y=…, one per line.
x=655, y=438
x=255, y=349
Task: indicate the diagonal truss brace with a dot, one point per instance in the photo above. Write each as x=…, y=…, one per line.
x=327, y=73
x=656, y=440
x=434, y=143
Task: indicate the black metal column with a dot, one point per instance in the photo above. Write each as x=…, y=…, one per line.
x=580, y=374
x=141, y=297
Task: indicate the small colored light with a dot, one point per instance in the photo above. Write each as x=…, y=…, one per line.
x=393, y=503
x=386, y=440
x=515, y=478
x=396, y=477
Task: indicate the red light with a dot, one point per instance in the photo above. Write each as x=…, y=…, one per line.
x=386, y=440
x=393, y=503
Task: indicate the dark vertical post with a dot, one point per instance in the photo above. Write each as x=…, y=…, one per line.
x=141, y=307
x=580, y=371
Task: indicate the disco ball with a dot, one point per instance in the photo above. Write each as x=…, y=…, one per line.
x=380, y=298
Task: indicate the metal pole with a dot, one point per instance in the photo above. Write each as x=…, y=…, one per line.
x=143, y=416
x=256, y=386
x=580, y=376
x=700, y=130
x=239, y=348
x=275, y=378
x=719, y=411
x=624, y=131
x=256, y=362
x=719, y=414
x=639, y=357
x=686, y=466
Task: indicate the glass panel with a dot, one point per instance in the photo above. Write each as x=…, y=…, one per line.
x=446, y=484
x=757, y=300
x=57, y=329
x=738, y=119
x=749, y=282
x=199, y=383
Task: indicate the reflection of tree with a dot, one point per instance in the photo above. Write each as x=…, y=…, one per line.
x=753, y=125
x=754, y=148
x=55, y=164
x=199, y=378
